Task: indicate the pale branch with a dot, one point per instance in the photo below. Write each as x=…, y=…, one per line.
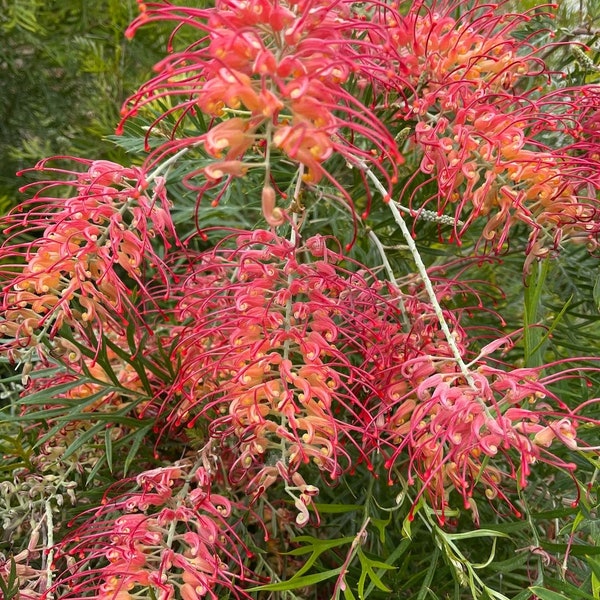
x=422, y=269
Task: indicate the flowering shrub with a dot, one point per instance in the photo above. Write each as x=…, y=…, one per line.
x=325, y=315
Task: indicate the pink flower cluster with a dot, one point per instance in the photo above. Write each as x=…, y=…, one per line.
x=85, y=251
x=458, y=435
x=470, y=90
x=273, y=357
x=272, y=75
x=291, y=354
x=173, y=535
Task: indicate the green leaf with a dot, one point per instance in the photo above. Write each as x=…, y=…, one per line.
x=335, y=508
x=476, y=533
x=348, y=595
x=572, y=592
x=297, y=582
x=572, y=549
x=108, y=448
x=10, y=587
x=367, y=565
x=594, y=564
x=532, y=333
x=381, y=525
x=545, y=594
x=596, y=292
x=137, y=439
x=83, y=438
x=316, y=547
x=429, y=576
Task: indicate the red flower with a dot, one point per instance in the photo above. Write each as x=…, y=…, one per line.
x=70, y=272
x=180, y=541
x=291, y=99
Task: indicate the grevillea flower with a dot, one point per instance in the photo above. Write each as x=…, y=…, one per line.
x=484, y=166
x=444, y=430
x=273, y=358
x=85, y=250
x=271, y=73
x=466, y=85
x=171, y=538
x=30, y=581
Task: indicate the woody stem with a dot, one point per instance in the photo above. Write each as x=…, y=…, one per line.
x=422, y=269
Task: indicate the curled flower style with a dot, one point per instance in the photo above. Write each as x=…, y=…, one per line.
x=271, y=74
x=170, y=537
x=86, y=250
x=488, y=166
x=468, y=87
x=452, y=434
x=273, y=357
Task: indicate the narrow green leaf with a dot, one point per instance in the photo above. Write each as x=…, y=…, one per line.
x=555, y=322
x=43, y=396
x=335, y=508
x=572, y=592
x=596, y=292
x=559, y=513
x=524, y=595
x=532, y=332
x=348, y=595
x=315, y=543
x=297, y=582
x=10, y=587
x=407, y=528
x=95, y=469
x=138, y=437
x=381, y=525
x=594, y=564
x=317, y=547
x=545, y=594
x=573, y=549
x=367, y=570
x=405, y=544
x=83, y=439
x=108, y=448
x=429, y=576
x=476, y=533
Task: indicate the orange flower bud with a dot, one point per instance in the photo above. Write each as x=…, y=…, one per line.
x=272, y=213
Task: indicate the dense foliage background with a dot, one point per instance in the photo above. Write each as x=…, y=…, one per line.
x=65, y=69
